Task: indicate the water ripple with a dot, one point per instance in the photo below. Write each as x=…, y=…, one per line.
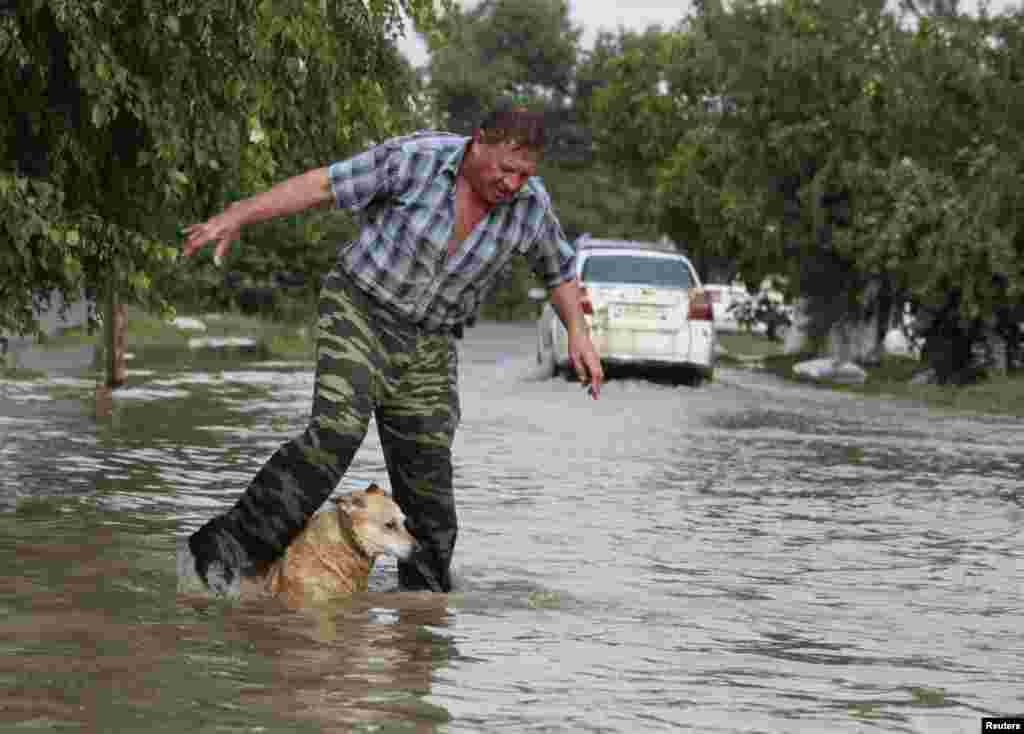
x=748, y=556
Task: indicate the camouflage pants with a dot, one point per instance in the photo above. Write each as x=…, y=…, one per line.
x=369, y=362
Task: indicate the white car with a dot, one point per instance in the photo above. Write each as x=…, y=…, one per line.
x=644, y=306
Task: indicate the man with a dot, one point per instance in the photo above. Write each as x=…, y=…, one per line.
x=440, y=214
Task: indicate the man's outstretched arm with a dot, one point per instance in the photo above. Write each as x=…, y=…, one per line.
x=293, y=195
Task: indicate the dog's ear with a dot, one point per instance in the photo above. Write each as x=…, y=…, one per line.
x=349, y=503
x=374, y=489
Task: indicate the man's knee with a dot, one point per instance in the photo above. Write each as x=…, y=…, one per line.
x=331, y=443
x=420, y=475
x=287, y=490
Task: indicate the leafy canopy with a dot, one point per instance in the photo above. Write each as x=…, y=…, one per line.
x=839, y=144
x=134, y=118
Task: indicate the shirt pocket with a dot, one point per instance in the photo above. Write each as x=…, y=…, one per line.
x=415, y=219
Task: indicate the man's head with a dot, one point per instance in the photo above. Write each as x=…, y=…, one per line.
x=505, y=151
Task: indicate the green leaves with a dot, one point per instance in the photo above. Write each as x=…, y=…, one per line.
x=776, y=111
x=150, y=116
x=523, y=49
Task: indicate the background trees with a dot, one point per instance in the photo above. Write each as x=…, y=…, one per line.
x=868, y=158
x=131, y=120
x=870, y=155
x=502, y=48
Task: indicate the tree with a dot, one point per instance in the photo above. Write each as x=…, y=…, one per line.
x=952, y=218
x=133, y=120
x=524, y=49
x=856, y=154
x=286, y=258
x=625, y=98
x=539, y=40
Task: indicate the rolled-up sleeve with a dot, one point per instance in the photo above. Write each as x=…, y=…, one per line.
x=359, y=180
x=552, y=257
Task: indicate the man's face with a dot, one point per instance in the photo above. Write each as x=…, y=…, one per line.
x=501, y=169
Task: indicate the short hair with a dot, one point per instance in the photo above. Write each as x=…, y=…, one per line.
x=513, y=124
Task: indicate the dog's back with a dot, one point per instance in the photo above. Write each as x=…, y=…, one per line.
x=322, y=563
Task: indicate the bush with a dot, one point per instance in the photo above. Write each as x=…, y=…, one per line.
x=764, y=309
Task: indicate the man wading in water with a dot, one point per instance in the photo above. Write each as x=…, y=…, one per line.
x=440, y=215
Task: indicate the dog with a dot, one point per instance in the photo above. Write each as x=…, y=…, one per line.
x=331, y=558
x=334, y=554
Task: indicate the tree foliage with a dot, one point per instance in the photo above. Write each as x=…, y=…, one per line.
x=871, y=159
x=524, y=49
x=132, y=119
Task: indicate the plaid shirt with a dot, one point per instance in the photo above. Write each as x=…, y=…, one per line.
x=404, y=192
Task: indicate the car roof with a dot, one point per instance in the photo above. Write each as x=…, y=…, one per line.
x=586, y=242
x=587, y=245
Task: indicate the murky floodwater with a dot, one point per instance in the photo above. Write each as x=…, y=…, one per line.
x=746, y=556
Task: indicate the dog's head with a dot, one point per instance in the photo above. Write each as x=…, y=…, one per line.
x=377, y=523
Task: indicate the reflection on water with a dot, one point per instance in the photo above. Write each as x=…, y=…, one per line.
x=93, y=636
x=365, y=662
x=747, y=556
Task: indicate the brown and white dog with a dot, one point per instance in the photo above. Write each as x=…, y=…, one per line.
x=334, y=554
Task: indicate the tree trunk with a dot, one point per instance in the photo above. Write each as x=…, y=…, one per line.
x=115, y=323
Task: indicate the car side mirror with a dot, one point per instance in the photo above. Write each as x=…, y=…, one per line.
x=537, y=294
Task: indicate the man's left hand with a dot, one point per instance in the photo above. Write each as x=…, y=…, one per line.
x=587, y=363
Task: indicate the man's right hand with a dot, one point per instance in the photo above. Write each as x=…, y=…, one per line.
x=291, y=196
x=224, y=228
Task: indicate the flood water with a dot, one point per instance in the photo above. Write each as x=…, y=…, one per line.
x=746, y=556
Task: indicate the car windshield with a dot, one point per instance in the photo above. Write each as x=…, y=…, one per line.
x=660, y=272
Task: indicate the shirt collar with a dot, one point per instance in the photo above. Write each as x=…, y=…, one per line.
x=526, y=190
x=454, y=160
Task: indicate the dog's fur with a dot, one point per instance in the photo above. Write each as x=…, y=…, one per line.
x=334, y=554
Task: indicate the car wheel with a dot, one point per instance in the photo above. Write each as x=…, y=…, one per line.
x=689, y=377
x=546, y=360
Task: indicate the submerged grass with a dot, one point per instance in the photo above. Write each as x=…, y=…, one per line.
x=998, y=395
x=278, y=339
x=741, y=346
x=20, y=374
